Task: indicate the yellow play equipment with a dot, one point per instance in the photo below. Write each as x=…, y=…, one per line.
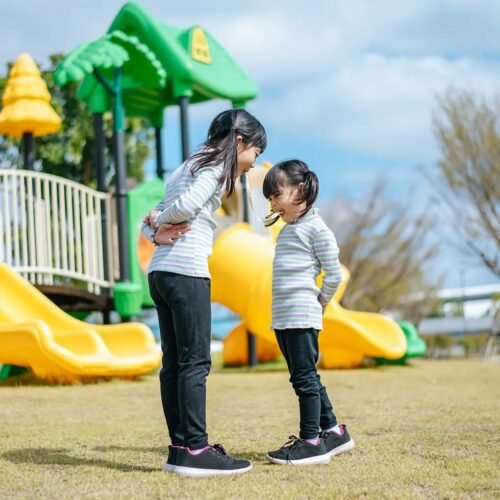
x=36, y=333
x=26, y=102
x=241, y=268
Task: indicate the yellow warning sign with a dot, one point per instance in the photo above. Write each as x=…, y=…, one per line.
x=199, y=46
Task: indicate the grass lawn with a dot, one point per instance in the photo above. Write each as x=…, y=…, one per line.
x=431, y=430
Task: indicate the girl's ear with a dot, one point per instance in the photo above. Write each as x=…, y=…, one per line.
x=240, y=145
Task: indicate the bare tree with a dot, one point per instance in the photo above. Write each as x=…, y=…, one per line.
x=386, y=248
x=468, y=181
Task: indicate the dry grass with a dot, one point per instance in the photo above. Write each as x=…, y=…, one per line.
x=430, y=431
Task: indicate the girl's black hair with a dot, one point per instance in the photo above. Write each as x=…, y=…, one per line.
x=221, y=144
x=292, y=173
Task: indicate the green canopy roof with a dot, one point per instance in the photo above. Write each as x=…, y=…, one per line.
x=196, y=66
x=139, y=65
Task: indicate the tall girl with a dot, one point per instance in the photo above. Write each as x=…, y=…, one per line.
x=179, y=283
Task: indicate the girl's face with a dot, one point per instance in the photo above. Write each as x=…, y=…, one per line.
x=246, y=156
x=285, y=203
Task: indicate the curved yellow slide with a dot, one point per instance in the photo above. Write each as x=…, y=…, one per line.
x=241, y=268
x=34, y=332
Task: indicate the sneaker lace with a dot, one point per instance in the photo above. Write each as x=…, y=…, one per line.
x=219, y=449
x=293, y=443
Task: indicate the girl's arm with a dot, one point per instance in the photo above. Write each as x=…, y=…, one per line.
x=326, y=249
x=188, y=204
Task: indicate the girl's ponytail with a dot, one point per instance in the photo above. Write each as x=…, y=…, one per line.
x=229, y=153
x=310, y=188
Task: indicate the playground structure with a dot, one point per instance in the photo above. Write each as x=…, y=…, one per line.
x=68, y=240
x=34, y=332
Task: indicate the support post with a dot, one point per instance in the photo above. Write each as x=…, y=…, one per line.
x=160, y=171
x=183, y=104
x=101, y=186
x=29, y=151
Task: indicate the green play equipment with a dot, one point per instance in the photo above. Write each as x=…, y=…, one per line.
x=197, y=67
x=415, y=345
x=137, y=69
x=7, y=371
x=116, y=61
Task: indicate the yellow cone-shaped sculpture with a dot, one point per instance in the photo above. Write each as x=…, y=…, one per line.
x=26, y=102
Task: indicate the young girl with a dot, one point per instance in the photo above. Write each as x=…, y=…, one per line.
x=304, y=247
x=179, y=282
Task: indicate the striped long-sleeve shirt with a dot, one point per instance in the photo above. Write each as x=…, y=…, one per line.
x=188, y=198
x=303, y=249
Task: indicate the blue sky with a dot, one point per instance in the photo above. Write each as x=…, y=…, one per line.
x=348, y=85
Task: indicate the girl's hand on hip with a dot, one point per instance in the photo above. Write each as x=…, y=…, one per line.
x=323, y=303
x=150, y=219
x=167, y=234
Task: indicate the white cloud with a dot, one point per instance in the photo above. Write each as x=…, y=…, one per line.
x=273, y=40
x=281, y=41
x=377, y=105
x=359, y=74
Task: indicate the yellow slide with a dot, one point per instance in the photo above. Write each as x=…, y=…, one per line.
x=241, y=268
x=36, y=333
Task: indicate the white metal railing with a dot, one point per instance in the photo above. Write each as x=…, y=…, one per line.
x=51, y=230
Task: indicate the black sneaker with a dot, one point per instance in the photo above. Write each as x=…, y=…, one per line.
x=172, y=459
x=300, y=452
x=211, y=461
x=337, y=443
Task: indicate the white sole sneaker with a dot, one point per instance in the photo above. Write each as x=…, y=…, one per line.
x=195, y=472
x=169, y=467
x=320, y=459
x=350, y=445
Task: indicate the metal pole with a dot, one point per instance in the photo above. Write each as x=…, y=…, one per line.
x=252, y=345
x=160, y=171
x=244, y=194
x=101, y=186
x=99, y=151
x=183, y=104
x=251, y=340
x=252, y=349
x=121, y=178
x=28, y=150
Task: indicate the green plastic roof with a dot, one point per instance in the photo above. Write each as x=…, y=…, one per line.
x=196, y=66
x=100, y=54
x=140, y=68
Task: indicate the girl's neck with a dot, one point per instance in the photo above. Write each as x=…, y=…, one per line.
x=307, y=214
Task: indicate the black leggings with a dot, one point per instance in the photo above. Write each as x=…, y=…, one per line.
x=184, y=314
x=300, y=348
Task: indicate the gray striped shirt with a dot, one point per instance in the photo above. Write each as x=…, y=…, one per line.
x=188, y=198
x=303, y=249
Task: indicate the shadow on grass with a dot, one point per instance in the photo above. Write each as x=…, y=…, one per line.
x=28, y=378
x=256, y=457
x=60, y=456
x=253, y=456
x=263, y=367
x=162, y=450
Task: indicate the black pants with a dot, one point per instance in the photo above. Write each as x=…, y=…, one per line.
x=300, y=348
x=184, y=313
